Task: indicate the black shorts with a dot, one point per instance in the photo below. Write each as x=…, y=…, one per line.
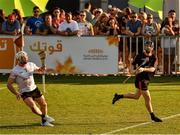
x=36, y=93
x=143, y=84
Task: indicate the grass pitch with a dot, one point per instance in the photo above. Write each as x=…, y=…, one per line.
x=82, y=105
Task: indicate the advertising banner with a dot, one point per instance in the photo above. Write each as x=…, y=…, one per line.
x=7, y=53
x=75, y=55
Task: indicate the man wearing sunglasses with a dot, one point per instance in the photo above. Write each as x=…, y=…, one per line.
x=33, y=23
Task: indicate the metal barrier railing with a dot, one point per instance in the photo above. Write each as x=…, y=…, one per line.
x=165, y=48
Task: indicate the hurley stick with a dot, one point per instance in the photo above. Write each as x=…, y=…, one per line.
x=42, y=55
x=144, y=62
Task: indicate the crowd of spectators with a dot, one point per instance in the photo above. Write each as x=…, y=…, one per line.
x=91, y=22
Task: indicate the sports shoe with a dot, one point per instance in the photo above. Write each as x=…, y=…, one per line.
x=156, y=119
x=116, y=98
x=48, y=118
x=47, y=124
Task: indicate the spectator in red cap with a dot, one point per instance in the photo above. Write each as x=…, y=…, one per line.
x=11, y=26
x=18, y=15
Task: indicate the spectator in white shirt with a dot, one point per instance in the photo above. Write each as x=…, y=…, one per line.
x=69, y=27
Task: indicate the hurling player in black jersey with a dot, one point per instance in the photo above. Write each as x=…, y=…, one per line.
x=144, y=64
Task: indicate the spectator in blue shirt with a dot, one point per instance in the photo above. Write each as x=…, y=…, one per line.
x=33, y=23
x=11, y=26
x=47, y=27
x=134, y=27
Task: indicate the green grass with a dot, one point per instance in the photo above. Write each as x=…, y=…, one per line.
x=82, y=105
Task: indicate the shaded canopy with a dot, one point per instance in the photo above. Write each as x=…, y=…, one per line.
x=154, y=5
x=25, y=6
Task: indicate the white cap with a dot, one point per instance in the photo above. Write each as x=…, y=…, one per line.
x=21, y=54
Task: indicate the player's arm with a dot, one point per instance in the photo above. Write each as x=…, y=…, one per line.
x=149, y=69
x=12, y=89
x=152, y=68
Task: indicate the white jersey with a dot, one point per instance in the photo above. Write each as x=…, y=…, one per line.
x=24, y=76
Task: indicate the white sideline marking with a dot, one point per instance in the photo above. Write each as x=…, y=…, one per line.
x=145, y=123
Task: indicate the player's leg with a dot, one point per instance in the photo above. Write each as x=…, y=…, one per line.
x=135, y=95
x=148, y=104
x=43, y=106
x=32, y=105
x=42, y=103
x=147, y=99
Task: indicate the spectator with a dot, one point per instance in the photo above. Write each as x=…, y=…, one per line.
x=62, y=15
x=33, y=23
x=128, y=12
x=101, y=28
x=172, y=14
x=122, y=24
x=169, y=45
x=11, y=26
x=56, y=17
x=17, y=13
x=150, y=31
x=113, y=27
x=142, y=17
x=97, y=14
x=69, y=27
x=85, y=28
x=47, y=27
x=87, y=9
x=134, y=29
x=75, y=16
x=2, y=18
x=113, y=12
x=150, y=28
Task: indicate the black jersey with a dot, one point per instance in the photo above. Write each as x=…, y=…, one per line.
x=144, y=61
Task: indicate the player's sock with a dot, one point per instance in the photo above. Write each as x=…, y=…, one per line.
x=43, y=120
x=116, y=97
x=154, y=118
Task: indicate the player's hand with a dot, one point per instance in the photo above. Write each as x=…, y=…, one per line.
x=140, y=70
x=42, y=69
x=18, y=96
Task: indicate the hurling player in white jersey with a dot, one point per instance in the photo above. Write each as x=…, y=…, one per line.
x=22, y=75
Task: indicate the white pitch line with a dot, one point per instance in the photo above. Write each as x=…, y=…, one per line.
x=138, y=125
